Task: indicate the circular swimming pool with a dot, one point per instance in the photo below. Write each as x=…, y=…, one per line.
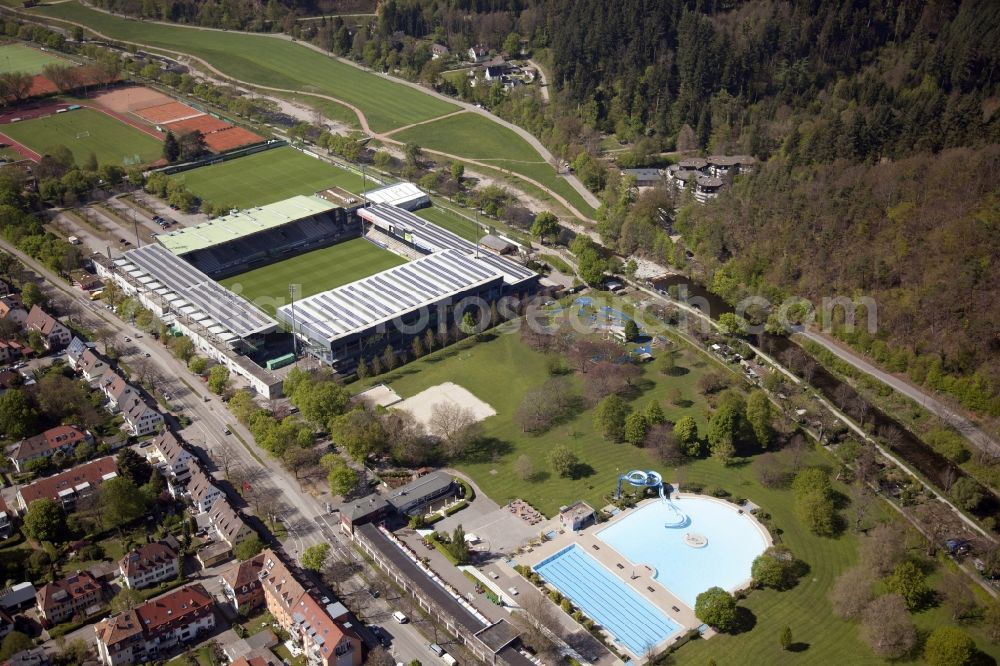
x=653, y=535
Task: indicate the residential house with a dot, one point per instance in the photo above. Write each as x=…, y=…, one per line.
x=644, y=177
x=6, y=527
x=10, y=350
x=325, y=640
x=68, y=597
x=257, y=660
x=116, y=389
x=478, y=53
x=54, y=334
x=140, y=418
x=75, y=350
x=11, y=307
x=439, y=51
x=62, y=438
x=493, y=73
x=148, y=565
x=69, y=486
x=91, y=366
x=721, y=166
x=241, y=585
x=202, y=492
x=167, y=453
x=6, y=623
x=150, y=631
x=228, y=524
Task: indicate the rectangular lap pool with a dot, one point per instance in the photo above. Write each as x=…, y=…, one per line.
x=634, y=622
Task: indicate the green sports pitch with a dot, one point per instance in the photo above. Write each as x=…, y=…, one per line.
x=86, y=131
x=18, y=58
x=266, y=177
x=315, y=271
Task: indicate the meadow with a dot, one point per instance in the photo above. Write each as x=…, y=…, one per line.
x=20, y=58
x=314, y=272
x=473, y=137
x=86, y=131
x=266, y=177
x=288, y=65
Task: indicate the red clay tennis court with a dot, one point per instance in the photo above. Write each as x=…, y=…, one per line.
x=227, y=139
x=123, y=100
x=205, y=124
x=166, y=113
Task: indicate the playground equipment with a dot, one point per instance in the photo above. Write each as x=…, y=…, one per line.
x=638, y=478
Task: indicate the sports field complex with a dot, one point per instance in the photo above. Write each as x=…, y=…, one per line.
x=26, y=59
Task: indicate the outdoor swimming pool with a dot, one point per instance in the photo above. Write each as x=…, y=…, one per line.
x=733, y=541
x=633, y=621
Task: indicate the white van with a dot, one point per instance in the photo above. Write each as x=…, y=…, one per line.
x=400, y=617
x=448, y=659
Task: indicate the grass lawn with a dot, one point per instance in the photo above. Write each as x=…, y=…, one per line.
x=266, y=177
x=451, y=221
x=315, y=271
x=112, y=141
x=202, y=654
x=20, y=58
x=500, y=372
x=270, y=61
x=473, y=136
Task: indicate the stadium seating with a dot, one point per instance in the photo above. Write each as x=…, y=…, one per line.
x=260, y=249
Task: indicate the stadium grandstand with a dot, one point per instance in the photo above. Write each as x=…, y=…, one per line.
x=224, y=326
x=426, y=237
x=259, y=236
x=357, y=320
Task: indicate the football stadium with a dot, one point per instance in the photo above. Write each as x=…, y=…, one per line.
x=347, y=275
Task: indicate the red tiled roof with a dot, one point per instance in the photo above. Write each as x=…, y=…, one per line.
x=92, y=472
x=146, y=557
x=75, y=585
x=176, y=605
x=53, y=438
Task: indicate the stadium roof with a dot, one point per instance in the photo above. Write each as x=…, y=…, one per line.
x=380, y=298
x=398, y=194
x=243, y=223
x=194, y=293
x=429, y=237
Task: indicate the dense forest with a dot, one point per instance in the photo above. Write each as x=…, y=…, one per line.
x=876, y=121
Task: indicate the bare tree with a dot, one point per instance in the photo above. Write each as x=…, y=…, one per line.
x=852, y=592
x=660, y=438
x=842, y=396
x=958, y=596
x=525, y=468
x=883, y=548
x=888, y=628
x=454, y=425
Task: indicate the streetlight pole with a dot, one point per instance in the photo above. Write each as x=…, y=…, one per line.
x=135, y=225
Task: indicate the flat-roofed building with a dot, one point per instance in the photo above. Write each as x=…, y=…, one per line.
x=417, y=494
x=402, y=195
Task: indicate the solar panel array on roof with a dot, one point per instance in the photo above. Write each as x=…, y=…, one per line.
x=384, y=296
x=433, y=238
x=197, y=294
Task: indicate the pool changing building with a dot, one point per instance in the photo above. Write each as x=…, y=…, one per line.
x=358, y=320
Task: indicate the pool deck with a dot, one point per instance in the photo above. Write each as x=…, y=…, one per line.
x=638, y=576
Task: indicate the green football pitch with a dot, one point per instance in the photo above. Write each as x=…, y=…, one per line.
x=266, y=177
x=86, y=131
x=315, y=271
x=18, y=58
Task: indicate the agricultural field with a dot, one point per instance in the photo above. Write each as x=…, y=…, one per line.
x=287, y=66
x=87, y=131
x=314, y=271
x=266, y=177
x=20, y=58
